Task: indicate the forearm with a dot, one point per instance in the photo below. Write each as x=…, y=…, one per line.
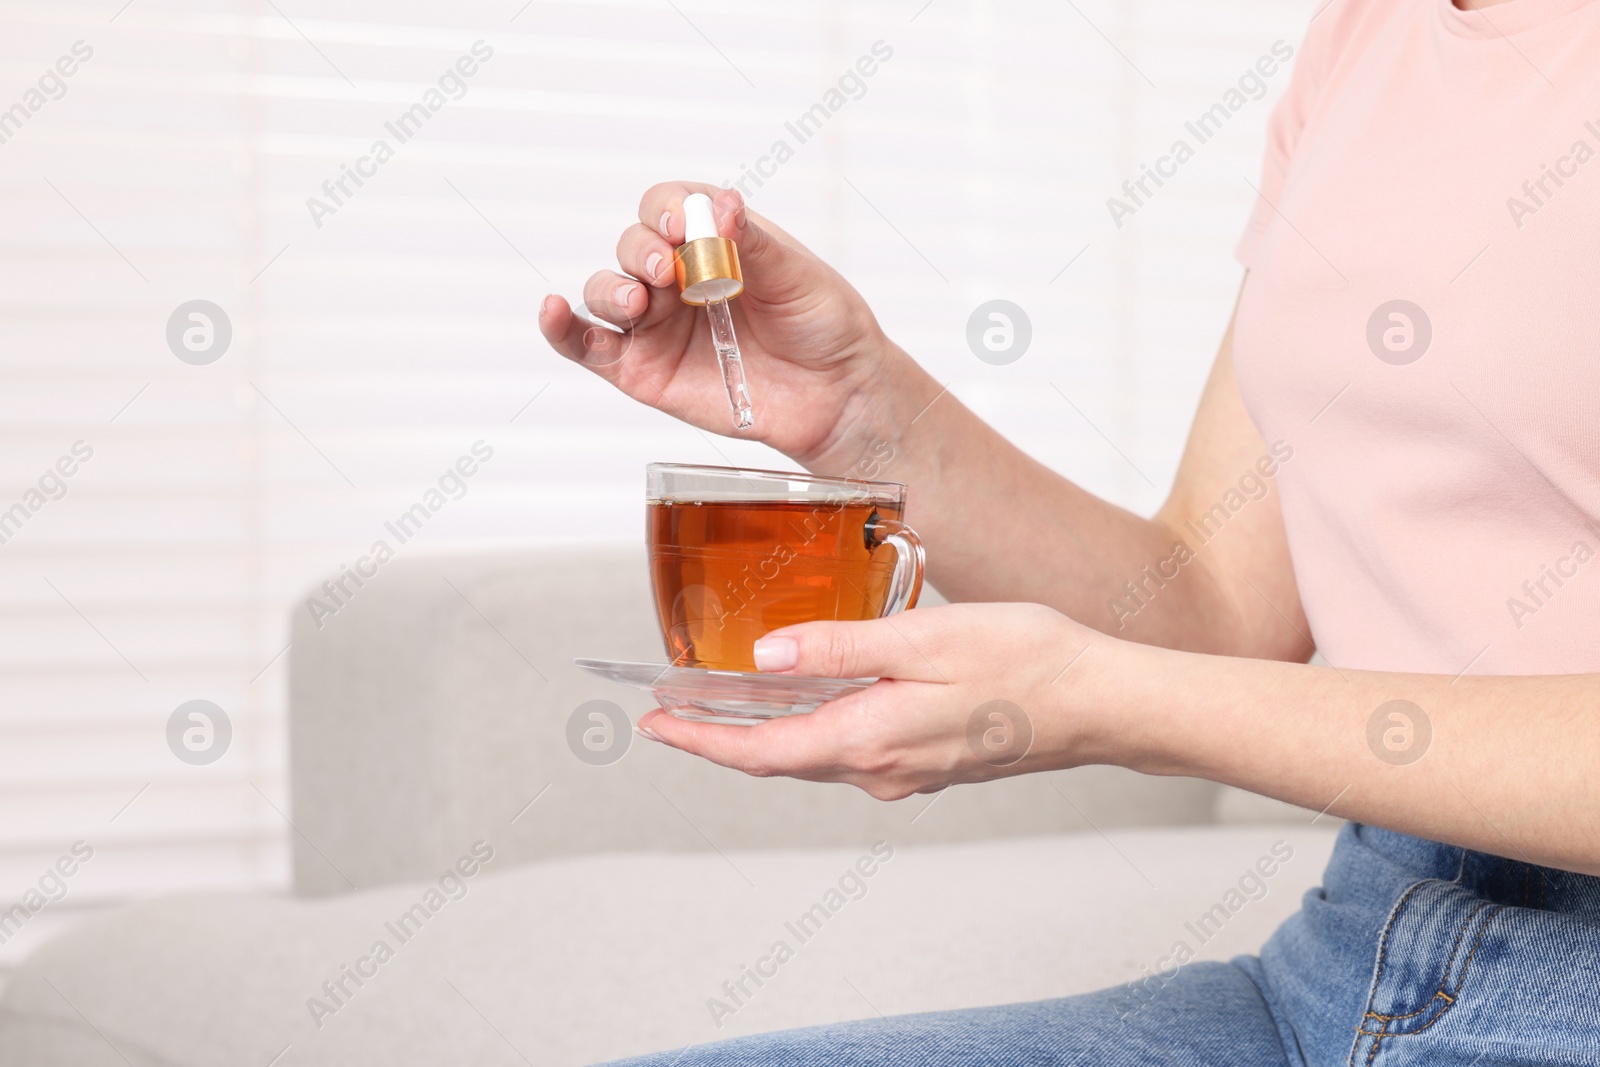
x=1504, y=765
x=1000, y=526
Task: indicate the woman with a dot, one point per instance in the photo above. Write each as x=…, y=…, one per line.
x=1412, y=359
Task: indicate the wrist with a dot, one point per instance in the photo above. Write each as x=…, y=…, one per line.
x=887, y=392
x=1143, y=699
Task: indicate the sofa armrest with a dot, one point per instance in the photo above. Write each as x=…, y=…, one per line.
x=431, y=710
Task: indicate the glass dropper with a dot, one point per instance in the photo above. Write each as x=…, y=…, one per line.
x=730, y=362
x=708, y=274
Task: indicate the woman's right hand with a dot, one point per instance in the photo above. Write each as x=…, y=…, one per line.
x=818, y=364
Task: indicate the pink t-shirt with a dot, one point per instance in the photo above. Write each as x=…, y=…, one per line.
x=1421, y=324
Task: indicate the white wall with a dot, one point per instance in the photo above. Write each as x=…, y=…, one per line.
x=374, y=350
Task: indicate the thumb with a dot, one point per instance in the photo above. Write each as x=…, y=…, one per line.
x=872, y=649
x=775, y=265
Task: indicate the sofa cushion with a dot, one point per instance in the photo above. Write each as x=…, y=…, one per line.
x=439, y=702
x=582, y=959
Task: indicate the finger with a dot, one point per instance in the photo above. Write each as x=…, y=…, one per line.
x=661, y=207
x=816, y=746
x=616, y=298
x=645, y=254
x=875, y=649
x=774, y=264
x=595, y=347
x=799, y=746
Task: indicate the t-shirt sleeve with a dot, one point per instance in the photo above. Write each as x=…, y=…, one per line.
x=1324, y=39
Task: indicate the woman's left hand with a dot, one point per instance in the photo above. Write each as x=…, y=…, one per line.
x=966, y=693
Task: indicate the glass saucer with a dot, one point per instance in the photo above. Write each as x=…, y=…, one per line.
x=724, y=696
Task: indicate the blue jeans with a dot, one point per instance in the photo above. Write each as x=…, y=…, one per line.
x=1411, y=953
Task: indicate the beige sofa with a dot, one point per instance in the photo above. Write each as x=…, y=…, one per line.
x=469, y=890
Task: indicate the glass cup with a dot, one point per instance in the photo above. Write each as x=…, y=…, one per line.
x=736, y=554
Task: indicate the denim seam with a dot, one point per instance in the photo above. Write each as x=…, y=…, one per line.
x=1383, y=953
x=1408, y=1015
x=1377, y=974
x=1483, y=927
x=1449, y=964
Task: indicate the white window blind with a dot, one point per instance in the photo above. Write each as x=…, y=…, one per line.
x=376, y=338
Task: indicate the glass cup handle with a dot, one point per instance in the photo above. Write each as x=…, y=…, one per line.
x=906, y=584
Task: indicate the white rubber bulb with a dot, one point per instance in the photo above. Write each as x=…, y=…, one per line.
x=698, y=218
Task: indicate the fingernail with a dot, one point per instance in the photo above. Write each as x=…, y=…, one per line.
x=652, y=265
x=665, y=226
x=544, y=305
x=623, y=293
x=777, y=653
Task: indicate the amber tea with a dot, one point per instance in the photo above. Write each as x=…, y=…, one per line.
x=727, y=572
x=736, y=554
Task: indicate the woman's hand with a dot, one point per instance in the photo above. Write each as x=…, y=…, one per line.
x=817, y=361
x=966, y=693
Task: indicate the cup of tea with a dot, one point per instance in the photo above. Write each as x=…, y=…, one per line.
x=735, y=554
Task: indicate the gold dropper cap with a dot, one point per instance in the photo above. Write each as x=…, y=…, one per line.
x=707, y=264
x=708, y=269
